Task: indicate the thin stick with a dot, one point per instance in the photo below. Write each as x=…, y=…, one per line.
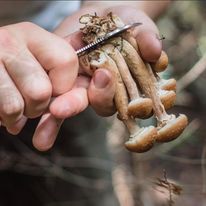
x=192, y=74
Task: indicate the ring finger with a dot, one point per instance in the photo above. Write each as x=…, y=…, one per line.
x=12, y=103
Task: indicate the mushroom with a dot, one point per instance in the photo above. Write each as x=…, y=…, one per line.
x=169, y=127
x=121, y=57
x=167, y=98
x=167, y=84
x=142, y=139
x=161, y=64
x=138, y=107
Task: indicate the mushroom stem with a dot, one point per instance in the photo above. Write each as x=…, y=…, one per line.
x=167, y=97
x=129, y=38
x=126, y=76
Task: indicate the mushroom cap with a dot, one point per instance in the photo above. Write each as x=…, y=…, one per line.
x=168, y=84
x=161, y=64
x=167, y=98
x=143, y=140
x=140, y=108
x=172, y=129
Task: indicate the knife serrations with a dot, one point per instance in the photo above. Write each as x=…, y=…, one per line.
x=101, y=40
x=90, y=46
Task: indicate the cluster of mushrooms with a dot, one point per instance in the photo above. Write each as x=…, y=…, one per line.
x=140, y=92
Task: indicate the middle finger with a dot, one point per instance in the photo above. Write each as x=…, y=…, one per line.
x=30, y=79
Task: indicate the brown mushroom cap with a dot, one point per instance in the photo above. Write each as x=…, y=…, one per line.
x=140, y=108
x=167, y=84
x=161, y=64
x=172, y=129
x=167, y=98
x=143, y=140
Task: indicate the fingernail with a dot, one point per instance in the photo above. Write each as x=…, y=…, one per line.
x=101, y=79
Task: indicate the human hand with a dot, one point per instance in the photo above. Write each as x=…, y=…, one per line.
x=146, y=35
x=33, y=97
x=100, y=87
x=35, y=65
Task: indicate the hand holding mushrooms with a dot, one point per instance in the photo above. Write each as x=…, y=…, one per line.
x=140, y=92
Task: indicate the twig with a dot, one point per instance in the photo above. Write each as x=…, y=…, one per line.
x=183, y=160
x=166, y=185
x=10, y=159
x=54, y=170
x=192, y=74
x=122, y=177
x=170, y=201
x=121, y=187
x=85, y=162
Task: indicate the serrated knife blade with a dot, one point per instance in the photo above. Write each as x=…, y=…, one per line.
x=101, y=40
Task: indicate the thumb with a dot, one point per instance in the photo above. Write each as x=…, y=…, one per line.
x=72, y=102
x=101, y=92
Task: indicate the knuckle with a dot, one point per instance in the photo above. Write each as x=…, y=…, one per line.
x=69, y=59
x=36, y=101
x=12, y=109
x=39, y=94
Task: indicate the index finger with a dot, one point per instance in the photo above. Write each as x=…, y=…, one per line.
x=54, y=54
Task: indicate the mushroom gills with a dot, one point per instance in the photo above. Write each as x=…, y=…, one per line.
x=172, y=129
x=143, y=140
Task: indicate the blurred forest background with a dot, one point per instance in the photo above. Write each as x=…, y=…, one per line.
x=170, y=174
x=175, y=173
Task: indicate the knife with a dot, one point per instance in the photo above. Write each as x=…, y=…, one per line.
x=102, y=40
